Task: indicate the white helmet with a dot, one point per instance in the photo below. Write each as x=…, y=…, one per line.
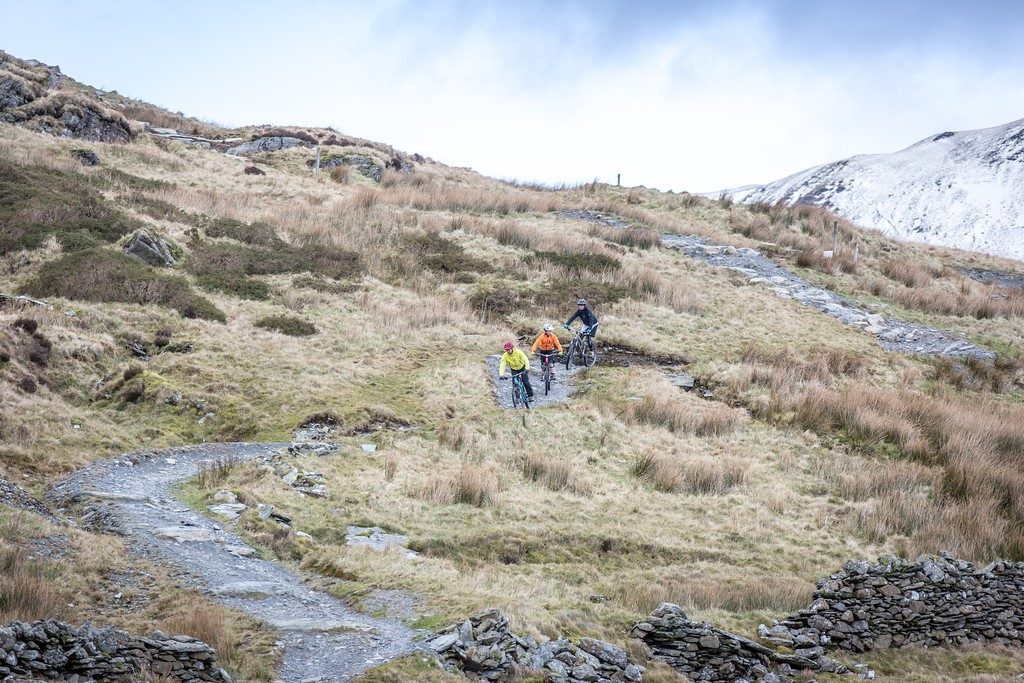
x=549, y=327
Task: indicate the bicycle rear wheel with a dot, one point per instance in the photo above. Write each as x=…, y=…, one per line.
x=590, y=354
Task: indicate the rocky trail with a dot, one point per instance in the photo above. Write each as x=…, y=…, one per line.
x=999, y=278
x=322, y=638
x=892, y=334
x=561, y=388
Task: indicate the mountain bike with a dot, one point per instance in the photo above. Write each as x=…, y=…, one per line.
x=548, y=368
x=519, y=396
x=581, y=350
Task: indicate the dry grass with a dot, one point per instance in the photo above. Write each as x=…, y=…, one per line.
x=664, y=406
x=555, y=473
x=977, y=444
x=209, y=624
x=471, y=484
x=27, y=592
x=779, y=594
x=668, y=472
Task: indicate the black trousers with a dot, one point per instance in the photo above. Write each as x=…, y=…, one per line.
x=526, y=380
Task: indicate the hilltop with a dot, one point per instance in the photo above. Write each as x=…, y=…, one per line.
x=960, y=189
x=740, y=437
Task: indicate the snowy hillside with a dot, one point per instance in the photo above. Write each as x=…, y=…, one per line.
x=962, y=190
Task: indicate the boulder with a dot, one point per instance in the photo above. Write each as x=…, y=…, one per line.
x=86, y=157
x=266, y=144
x=150, y=248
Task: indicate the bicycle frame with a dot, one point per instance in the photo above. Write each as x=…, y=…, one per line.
x=519, y=395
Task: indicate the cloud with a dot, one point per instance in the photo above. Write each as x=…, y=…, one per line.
x=697, y=95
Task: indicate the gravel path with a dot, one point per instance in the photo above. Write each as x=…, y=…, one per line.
x=323, y=639
x=997, y=277
x=892, y=334
x=561, y=388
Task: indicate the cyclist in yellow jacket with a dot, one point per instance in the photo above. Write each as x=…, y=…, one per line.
x=515, y=360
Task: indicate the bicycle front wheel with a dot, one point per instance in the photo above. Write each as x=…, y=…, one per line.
x=569, y=353
x=515, y=394
x=547, y=378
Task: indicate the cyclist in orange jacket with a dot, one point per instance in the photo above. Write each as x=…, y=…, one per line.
x=546, y=344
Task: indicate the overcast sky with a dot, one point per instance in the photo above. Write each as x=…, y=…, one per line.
x=677, y=95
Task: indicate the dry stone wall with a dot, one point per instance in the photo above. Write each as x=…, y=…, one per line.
x=486, y=649
x=58, y=651
x=895, y=602
x=705, y=653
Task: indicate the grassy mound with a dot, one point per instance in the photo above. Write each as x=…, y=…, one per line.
x=103, y=275
x=36, y=203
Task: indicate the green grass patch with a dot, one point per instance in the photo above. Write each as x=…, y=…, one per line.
x=242, y=286
x=228, y=257
x=581, y=262
x=36, y=203
x=291, y=325
x=442, y=255
x=104, y=275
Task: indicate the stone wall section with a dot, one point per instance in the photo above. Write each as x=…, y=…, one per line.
x=58, y=651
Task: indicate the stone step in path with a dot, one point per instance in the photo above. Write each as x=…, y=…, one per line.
x=323, y=639
x=892, y=334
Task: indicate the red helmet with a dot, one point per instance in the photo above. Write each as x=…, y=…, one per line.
x=508, y=346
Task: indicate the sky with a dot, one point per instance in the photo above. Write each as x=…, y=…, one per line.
x=686, y=95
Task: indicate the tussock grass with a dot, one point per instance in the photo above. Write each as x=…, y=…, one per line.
x=670, y=473
x=27, y=593
x=684, y=414
x=555, y=473
x=471, y=484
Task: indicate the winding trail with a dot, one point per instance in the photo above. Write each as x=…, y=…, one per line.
x=892, y=334
x=323, y=638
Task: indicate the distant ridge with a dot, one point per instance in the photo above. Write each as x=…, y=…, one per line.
x=957, y=189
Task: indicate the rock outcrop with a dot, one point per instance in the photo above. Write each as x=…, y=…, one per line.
x=366, y=165
x=894, y=602
x=486, y=649
x=56, y=650
x=150, y=248
x=266, y=144
x=705, y=653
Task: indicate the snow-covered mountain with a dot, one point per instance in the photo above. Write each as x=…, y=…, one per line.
x=961, y=190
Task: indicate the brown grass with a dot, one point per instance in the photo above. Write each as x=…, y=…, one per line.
x=554, y=473
x=775, y=593
x=471, y=484
x=979, y=446
x=27, y=593
x=668, y=472
x=209, y=624
x=660, y=408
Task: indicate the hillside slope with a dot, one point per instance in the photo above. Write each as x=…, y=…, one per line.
x=366, y=299
x=957, y=189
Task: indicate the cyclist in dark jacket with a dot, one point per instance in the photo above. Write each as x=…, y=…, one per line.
x=586, y=316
